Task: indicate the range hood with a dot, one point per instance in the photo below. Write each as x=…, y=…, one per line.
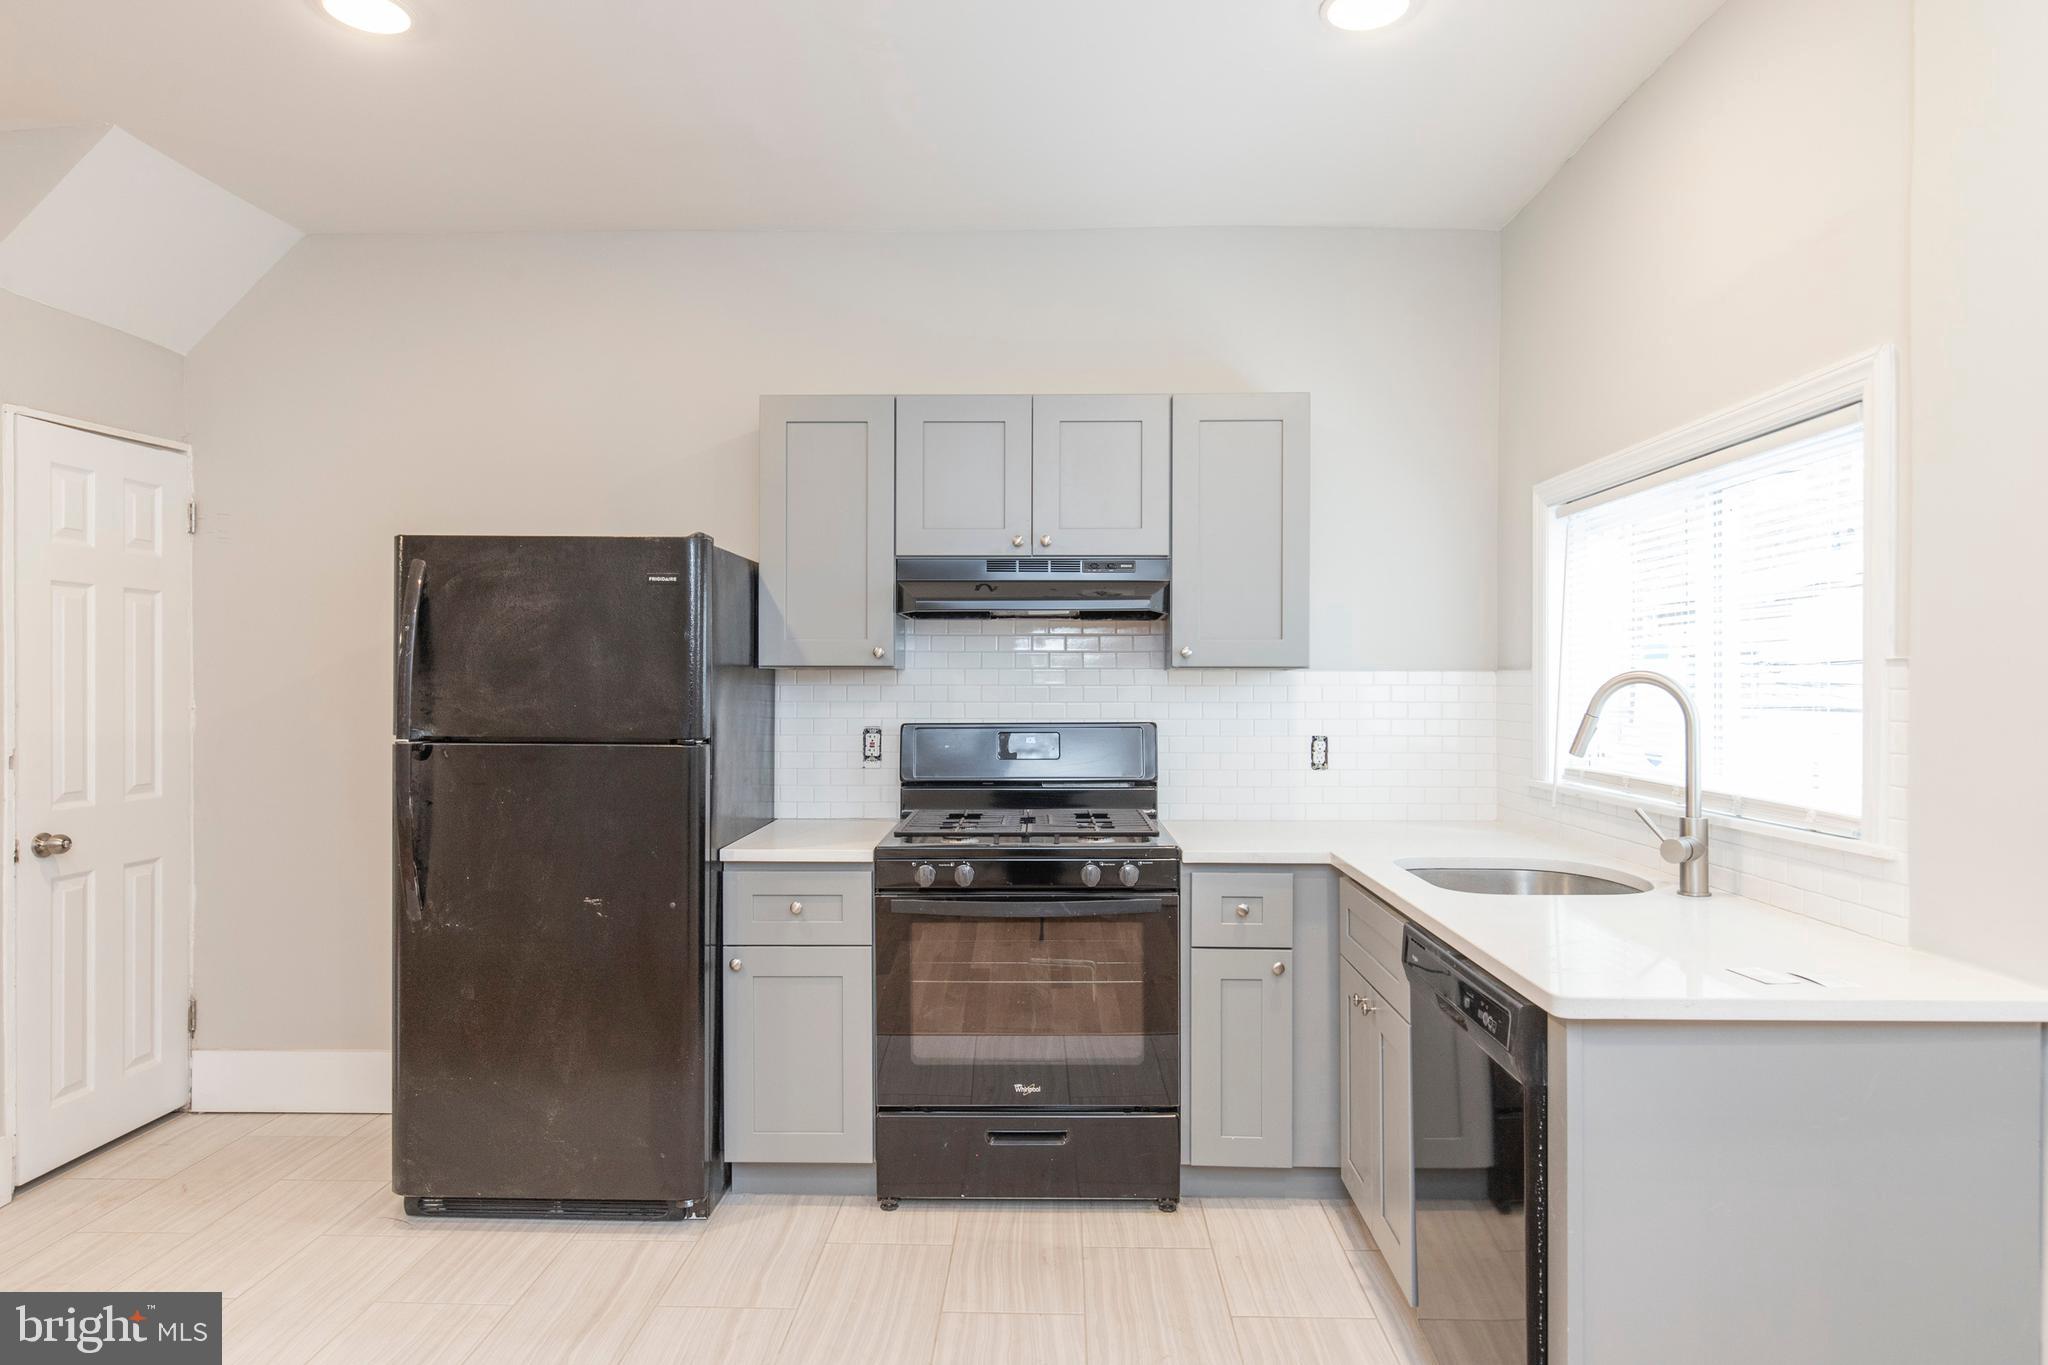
x=1125, y=586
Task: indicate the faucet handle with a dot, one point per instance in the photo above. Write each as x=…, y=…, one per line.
x=1673, y=848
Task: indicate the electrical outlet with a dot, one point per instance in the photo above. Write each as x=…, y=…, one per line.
x=1318, y=752
x=871, y=744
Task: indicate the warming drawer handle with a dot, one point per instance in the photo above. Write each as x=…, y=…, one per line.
x=1026, y=1137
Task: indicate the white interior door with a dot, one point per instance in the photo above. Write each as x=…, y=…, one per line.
x=103, y=758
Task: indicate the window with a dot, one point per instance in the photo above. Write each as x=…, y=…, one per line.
x=1741, y=573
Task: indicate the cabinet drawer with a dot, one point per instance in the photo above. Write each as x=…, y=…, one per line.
x=1370, y=935
x=799, y=905
x=1241, y=909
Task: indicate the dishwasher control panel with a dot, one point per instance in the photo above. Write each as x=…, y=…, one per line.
x=1483, y=1010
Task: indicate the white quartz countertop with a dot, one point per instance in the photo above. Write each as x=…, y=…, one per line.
x=1656, y=955
x=810, y=841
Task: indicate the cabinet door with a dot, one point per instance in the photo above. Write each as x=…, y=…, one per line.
x=1362, y=1112
x=1397, y=1155
x=1241, y=1111
x=828, y=569
x=1100, y=471
x=1240, y=531
x=963, y=476
x=799, y=1054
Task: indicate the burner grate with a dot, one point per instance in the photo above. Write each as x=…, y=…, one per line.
x=959, y=822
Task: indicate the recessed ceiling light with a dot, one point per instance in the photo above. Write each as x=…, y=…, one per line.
x=386, y=16
x=1356, y=16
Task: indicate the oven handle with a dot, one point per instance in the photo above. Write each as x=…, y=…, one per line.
x=1026, y=909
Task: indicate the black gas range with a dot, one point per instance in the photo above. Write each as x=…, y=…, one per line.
x=1027, y=963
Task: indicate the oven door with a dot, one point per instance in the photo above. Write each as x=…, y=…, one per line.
x=1027, y=1002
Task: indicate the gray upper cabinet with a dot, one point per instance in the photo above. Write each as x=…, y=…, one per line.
x=1240, y=531
x=828, y=571
x=963, y=476
x=1241, y=1008
x=1100, y=473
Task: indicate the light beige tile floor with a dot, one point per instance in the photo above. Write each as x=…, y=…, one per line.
x=291, y=1217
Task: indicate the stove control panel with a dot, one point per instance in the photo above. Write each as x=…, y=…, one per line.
x=902, y=870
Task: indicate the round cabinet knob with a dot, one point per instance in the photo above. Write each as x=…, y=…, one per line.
x=1187, y=651
x=1045, y=540
x=1128, y=874
x=1016, y=540
x=963, y=875
x=1091, y=875
x=879, y=651
x=1279, y=969
x=735, y=964
x=926, y=874
x=796, y=907
x=1243, y=911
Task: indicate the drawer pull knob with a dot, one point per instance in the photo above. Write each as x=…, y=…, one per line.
x=796, y=907
x=1243, y=910
x=735, y=964
x=1279, y=969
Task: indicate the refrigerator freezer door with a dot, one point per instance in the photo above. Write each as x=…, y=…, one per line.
x=553, y=1036
x=597, y=639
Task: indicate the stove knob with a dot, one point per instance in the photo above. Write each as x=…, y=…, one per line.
x=963, y=875
x=1128, y=874
x=926, y=874
x=1091, y=875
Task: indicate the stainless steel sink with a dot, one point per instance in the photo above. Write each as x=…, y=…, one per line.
x=1500, y=880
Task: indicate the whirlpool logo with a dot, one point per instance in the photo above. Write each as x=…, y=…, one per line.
x=1026, y=1087
x=156, y=1327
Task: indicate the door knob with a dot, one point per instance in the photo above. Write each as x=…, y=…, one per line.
x=735, y=964
x=49, y=845
x=1279, y=969
x=1045, y=540
x=1016, y=540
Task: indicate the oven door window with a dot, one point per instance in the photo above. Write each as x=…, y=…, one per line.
x=1073, y=1012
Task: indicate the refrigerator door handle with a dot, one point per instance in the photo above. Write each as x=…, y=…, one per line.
x=408, y=641
x=413, y=862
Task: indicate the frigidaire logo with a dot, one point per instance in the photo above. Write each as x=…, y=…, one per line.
x=661, y=578
x=1026, y=1087
x=160, y=1327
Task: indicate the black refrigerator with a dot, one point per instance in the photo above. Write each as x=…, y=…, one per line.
x=580, y=725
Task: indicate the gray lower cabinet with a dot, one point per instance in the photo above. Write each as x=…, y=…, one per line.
x=1240, y=531
x=963, y=476
x=1240, y=1108
x=799, y=1054
x=1100, y=475
x=828, y=567
x=1378, y=1164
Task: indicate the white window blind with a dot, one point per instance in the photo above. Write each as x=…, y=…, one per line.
x=1740, y=574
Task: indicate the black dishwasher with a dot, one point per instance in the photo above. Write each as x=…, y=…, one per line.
x=1480, y=1143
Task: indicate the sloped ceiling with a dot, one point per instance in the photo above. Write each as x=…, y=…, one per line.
x=106, y=227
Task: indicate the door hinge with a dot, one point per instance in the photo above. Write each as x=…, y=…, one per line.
x=192, y=518
x=192, y=1016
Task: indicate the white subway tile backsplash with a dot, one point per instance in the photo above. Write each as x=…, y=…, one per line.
x=1233, y=743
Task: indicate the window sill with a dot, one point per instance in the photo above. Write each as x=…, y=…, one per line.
x=1607, y=799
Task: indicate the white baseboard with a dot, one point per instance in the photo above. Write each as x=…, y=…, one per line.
x=225, y=1081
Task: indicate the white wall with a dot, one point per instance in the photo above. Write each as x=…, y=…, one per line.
x=1979, y=587
x=1738, y=224
x=607, y=383
x=66, y=365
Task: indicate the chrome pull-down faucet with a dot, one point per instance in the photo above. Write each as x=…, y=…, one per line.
x=1688, y=848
